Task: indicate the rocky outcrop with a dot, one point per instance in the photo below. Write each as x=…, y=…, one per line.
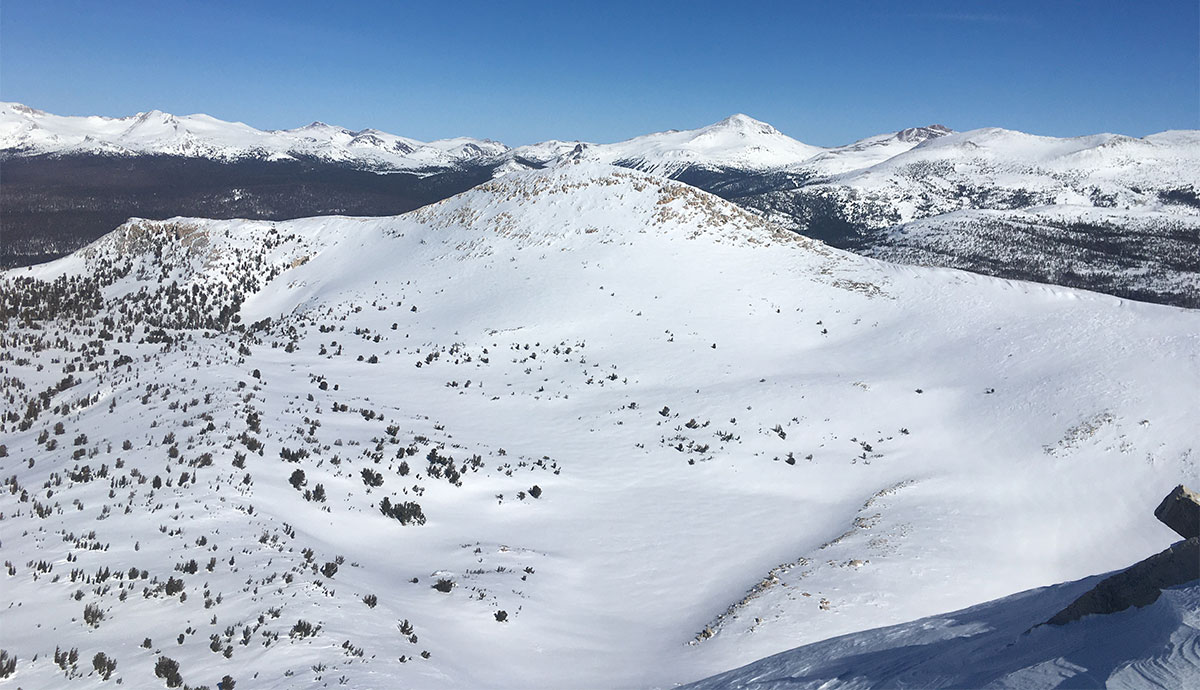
x=1180, y=511
x=1140, y=584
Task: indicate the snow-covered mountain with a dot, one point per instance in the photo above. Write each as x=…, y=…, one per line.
x=739, y=142
x=1014, y=169
x=1106, y=212
x=576, y=427
x=26, y=131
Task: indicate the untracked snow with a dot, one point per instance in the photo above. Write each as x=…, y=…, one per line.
x=742, y=441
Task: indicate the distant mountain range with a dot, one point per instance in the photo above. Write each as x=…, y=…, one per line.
x=1105, y=212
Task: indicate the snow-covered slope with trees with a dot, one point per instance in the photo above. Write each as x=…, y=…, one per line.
x=576, y=427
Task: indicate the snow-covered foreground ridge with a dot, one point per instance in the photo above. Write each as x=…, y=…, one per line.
x=578, y=427
x=1000, y=644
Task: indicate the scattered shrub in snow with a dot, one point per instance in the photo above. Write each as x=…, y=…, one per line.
x=303, y=629
x=92, y=615
x=104, y=665
x=297, y=479
x=168, y=669
x=406, y=512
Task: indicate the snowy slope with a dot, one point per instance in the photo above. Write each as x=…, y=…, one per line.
x=742, y=440
x=26, y=131
x=999, y=645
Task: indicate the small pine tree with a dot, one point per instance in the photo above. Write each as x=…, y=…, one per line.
x=168, y=669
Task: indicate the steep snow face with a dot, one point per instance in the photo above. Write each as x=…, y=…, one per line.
x=998, y=645
x=628, y=434
x=738, y=141
x=24, y=130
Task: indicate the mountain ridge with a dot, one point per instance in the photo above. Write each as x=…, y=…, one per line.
x=1102, y=212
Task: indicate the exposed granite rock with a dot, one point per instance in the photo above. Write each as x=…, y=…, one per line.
x=1180, y=511
x=1138, y=585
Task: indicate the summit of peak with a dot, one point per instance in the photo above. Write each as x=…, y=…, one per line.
x=741, y=121
x=919, y=134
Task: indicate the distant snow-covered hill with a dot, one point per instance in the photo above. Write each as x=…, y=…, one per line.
x=738, y=142
x=580, y=426
x=1108, y=213
x=27, y=131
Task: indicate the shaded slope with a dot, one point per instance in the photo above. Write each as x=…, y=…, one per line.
x=991, y=646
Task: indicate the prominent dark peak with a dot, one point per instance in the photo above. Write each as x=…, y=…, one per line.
x=918, y=134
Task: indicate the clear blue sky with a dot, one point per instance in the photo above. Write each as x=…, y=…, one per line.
x=824, y=72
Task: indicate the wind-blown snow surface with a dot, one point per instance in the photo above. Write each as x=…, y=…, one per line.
x=743, y=441
x=1000, y=644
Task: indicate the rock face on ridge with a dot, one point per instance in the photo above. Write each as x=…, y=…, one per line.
x=1138, y=585
x=1142, y=583
x=1180, y=511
